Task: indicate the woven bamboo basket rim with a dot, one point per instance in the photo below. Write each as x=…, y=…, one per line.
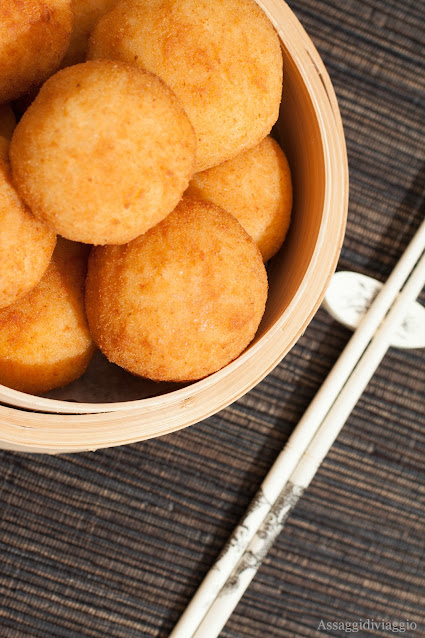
x=36, y=424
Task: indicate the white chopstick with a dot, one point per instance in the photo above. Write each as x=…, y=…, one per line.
x=286, y=462
x=233, y=590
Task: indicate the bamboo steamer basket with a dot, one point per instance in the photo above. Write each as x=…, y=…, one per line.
x=310, y=130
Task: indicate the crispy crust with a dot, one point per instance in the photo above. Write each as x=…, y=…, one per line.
x=44, y=338
x=255, y=187
x=181, y=301
x=222, y=59
x=26, y=244
x=86, y=15
x=103, y=153
x=34, y=36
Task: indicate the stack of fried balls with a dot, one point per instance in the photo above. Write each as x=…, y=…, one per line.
x=140, y=191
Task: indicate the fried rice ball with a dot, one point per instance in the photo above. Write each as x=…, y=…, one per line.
x=26, y=244
x=222, y=59
x=44, y=338
x=34, y=36
x=181, y=301
x=255, y=187
x=103, y=153
x=86, y=14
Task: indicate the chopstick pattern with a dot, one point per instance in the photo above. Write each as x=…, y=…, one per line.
x=267, y=533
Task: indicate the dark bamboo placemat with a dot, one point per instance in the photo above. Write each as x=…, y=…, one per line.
x=114, y=543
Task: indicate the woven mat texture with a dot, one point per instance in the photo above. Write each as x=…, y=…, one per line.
x=114, y=543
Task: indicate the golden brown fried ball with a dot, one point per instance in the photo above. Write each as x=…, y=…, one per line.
x=222, y=59
x=181, y=301
x=255, y=186
x=34, y=36
x=26, y=244
x=86, y=14
x=103, y=153
x=44, y=338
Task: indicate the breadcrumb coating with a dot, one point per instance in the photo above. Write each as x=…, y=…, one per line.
x=44, y=338
x=255, y=187
x=103, y=153
x=181, y=301
x=222, y=59
x=34, y=36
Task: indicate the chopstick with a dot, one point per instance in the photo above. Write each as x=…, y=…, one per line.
x=301, y=455
x=228, y=597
